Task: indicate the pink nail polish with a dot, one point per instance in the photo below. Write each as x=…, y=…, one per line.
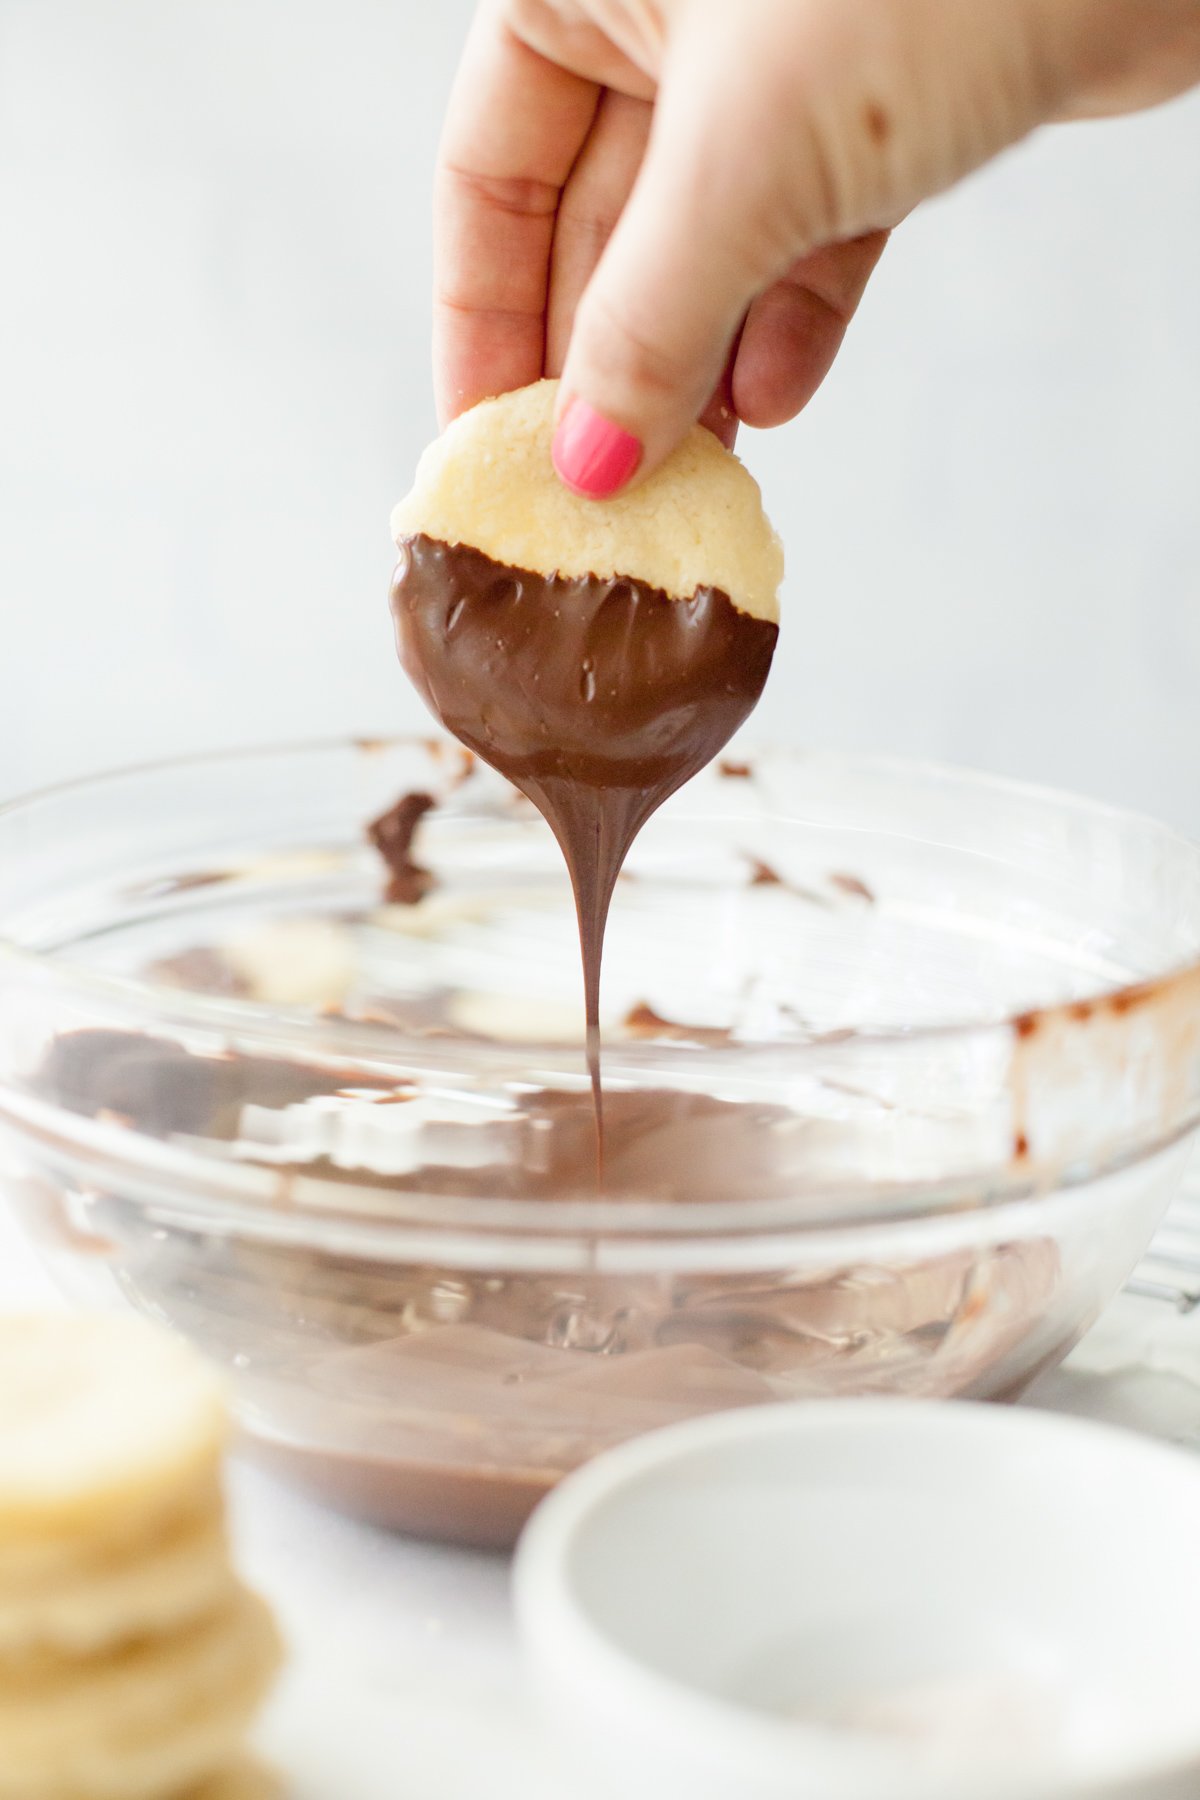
x=592, y=455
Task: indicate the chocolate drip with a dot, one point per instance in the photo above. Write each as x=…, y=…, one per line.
x=596, y=697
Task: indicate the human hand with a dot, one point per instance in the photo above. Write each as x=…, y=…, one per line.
x=676, y=204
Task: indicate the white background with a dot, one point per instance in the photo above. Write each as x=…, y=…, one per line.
x=214, y=264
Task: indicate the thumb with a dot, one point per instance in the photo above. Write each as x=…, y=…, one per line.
x=654, y=327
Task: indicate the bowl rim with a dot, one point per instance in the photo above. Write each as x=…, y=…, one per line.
x=184, y=1005
x=558, y=1633
x=210, y=1183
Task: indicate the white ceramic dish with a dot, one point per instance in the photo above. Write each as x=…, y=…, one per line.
x=874, y=1600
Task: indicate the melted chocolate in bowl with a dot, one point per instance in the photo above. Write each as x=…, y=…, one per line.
x=444, y=1384
x=596, y=697
x=663, y=1145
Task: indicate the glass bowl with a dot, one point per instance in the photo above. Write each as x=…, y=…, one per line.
x=902, y=1067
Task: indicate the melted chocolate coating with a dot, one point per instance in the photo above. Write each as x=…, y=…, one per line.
x=596, y=697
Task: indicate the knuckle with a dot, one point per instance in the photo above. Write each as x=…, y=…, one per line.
x=518, y=196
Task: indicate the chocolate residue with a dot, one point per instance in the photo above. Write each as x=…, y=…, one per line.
x=596, y=697
x=862, y=1093
x=854, y=885
x=392, y=835
x=641, y=1021
x=423, y=1015
x=763, y=875
x=463, y=759
x=201, y=970
x=164, y=886
x=735, y=771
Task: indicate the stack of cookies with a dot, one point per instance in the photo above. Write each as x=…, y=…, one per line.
x=132, y=1659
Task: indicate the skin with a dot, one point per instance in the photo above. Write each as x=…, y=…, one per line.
x=676, y=204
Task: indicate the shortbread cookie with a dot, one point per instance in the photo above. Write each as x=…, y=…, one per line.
x=247, y=1779
x=108, y=1428
x=696, y=523
x=160, y=1587
x=32, y=1561
x=584, y=649
x=142, y=1722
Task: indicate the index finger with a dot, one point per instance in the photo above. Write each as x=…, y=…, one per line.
x=515, y=124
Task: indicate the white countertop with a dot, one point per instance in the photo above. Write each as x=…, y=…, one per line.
x=404, y=1681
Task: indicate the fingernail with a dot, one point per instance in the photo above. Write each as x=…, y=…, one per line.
x=592, y=455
